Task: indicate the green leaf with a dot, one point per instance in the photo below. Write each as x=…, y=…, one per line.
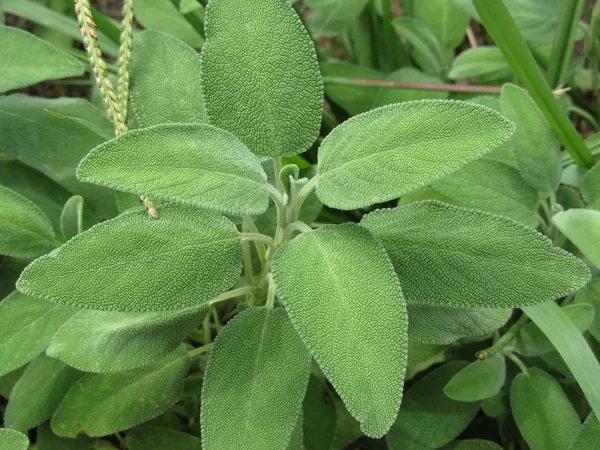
x=387, y=96
x=195, y=164
x=260, y=76
x=38, y=393
x=27, y=59
x=589, y=436
x=134, y=263
x=27, y=325
x=542, y=411
x=590, y=188
x=319, y=415
x=155, y=438
x=297, y=439
x=13, y=440
x=428, y=419
x=422, y=356
x=582, y=228
x=101, y=341
x=590, y=294
x=534, y=145
x=101, y=404
x=334, y=17
x=472, y=444
x=187, y=6
x=427, y=50
x=448, y=22
x=431, y=324
x=165, y=16
x=71, y=219
x=531, y=341
x=8, y=381
x=390, y=142
x=490, y=257
x=165, y=80
x=255, y=380
x=479, y=62
x=47, y=440
x=478, y=381
x=347, y=428
x=492, y=186
x=25, y=231
x=344, y=300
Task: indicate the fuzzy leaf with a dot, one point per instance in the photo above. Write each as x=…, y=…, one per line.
x=334, y=17
x=71, y=219
x=582, y=228
x=134, y=263
x=478, y=62
x=590, y=187
x=403, y=147
x=495, y=262
x=13, y=440
x=427, y=50
x=101, y=404
x=590, y=294
x=254, y=383
x=589, y=436
x=38, y=393
x=110, y=341
x=165, y=16
x=194, y=164
x=27, y=325
x=542, y=411
x=260, y=76
x=428, y=419
x=27, y=59
x=448, y=22
x=165, y=80
x=344, y=300
x=478, y=381
x=25, y=231
x=155, y=438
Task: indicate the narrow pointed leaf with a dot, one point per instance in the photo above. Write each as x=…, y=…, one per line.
x=478, y=381
x=427, y=50
x=194, y=164
x=403, y=147
x=344, y=300
x=582, y=227
x=254, y=383
x=13, y=440
x=71, y=219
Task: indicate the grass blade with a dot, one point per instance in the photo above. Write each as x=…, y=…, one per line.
x=562, y=48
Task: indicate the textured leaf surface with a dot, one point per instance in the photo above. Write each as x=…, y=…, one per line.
x=589, y=436
x=431, y=324
x=254, y=383
x=135, y=263
x=260, y=76
x=156, y=438
x=27, y=325
x=25, y=231
x=71, y=219
x=38, y=392
x=27, y=59
x=590, y=187
x=344, y=300
x=590, y=294
x=101, y=404
x=582, y=228
x=478, y=381
x=13, y=440
x=195, y=164
x=296, y=441
x=428, y=419
x=542, y=411
x=403, y=147
x=495, y=262
x=109, y=341
x=165, y=80
x=334, y=17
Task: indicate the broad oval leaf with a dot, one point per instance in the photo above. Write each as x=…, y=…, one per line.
x=135, y=263
x=344, y=300
x=195, y=164
x=260, y=76
x=448, y=22
x=101, y=404
x=71, y=219
x=387, y=152
x=478, y=381
x=542, y=411
x=254, y=383
x=481, y=61
x=13, y=440
x=156, y=438
x=165, y=80
x=582, y=228
x=451, y=256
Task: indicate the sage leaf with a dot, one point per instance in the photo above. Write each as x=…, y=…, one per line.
x=582, y=228
x=448, y=22
x=101, y=404
x=47, y=440
x=165, y=17
x=13, y=440
x=254, y=383
x=156, y=438
x=427, y=50
x=27, y=325
x=134, y=263
x=334, y=17
x=260, y=77
x=590, y=187
x=490, y=257
x=27, y=59
x=589, y=436
x=319, y=415
x=165, y=80
x=71, y=219
x=472, y=444
x=478, y=381
x=37, y=394
x=195, y=164
x=428, y=419
x=484, y=61
x=542, y=411
x=590, y=294
x=297, y=441
x=344, y=299
x=110, y=341
x=390, y=144
x=25, y=231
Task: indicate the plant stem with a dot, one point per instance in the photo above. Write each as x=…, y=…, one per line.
x=260, y=247
x=514, y=358
x=271, y=292
x=200, y=350
x=267, y=240
x=306, y=190
x=416, y=86
x=506, y=339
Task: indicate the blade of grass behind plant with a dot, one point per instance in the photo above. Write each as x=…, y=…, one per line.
x=593, y=145
x=564, y=40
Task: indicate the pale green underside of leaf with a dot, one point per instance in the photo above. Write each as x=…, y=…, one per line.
x=478, y=381
x=344, y=300
x=260, y=76
x=165, y=80
x=71, y=218
x=27, y=59
x=582, y=227
x=195, y=164
x=254, y=383
x=101, y=404
x=387, y=152
x=451, y=256
x=13, y=440
x=156, y=438
x=134, y=263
